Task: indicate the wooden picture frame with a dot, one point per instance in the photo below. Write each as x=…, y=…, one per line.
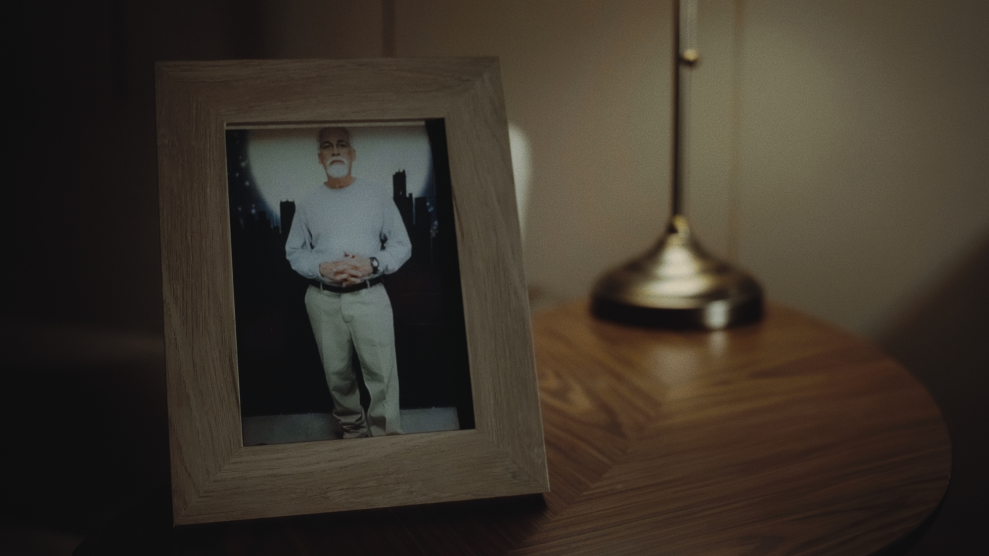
x=214, y=477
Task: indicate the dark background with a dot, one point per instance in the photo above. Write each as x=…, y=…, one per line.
x=83, y=401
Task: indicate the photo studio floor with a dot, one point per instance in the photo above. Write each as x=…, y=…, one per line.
x=309, y=427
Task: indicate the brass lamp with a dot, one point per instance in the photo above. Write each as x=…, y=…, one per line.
x=677, y=284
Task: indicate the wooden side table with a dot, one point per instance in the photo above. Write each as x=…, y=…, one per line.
x=784, y=437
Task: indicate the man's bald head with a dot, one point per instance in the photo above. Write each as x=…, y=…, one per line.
x=333, y=132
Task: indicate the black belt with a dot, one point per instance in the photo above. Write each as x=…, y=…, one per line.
x=356, y=287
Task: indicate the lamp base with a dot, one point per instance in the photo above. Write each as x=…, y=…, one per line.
x=678, y=285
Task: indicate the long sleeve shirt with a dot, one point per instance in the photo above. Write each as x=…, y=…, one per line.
x=360, y=219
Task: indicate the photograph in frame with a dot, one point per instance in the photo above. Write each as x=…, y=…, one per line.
x=235, y=329
x=297, y=385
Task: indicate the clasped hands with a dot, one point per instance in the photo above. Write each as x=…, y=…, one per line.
x=350, y=270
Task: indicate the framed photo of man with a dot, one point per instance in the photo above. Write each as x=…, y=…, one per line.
x=346, y=317
x=347, y=295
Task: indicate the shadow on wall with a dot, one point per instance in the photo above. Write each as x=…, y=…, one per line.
x=944, y=341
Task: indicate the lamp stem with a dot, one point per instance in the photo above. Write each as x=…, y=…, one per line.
x=685, y=56
x=677, y=284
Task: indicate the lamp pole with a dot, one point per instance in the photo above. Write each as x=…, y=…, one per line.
x=677, y=284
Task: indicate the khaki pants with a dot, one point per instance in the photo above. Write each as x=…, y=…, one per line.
x=361, y=321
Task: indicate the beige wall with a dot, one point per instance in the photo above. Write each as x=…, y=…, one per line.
x=587, y=83
x=865, y=141
x=838, y=149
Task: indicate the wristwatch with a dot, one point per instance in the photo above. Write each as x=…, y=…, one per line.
x=374, y=265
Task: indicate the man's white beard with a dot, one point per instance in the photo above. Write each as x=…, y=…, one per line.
x=337, y=171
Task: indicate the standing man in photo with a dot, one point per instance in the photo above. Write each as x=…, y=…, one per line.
x=345, y=236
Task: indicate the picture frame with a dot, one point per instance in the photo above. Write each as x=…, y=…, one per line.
x=214, y=476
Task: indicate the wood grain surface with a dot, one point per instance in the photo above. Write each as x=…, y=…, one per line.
x=786, y=437
x=781, y=438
